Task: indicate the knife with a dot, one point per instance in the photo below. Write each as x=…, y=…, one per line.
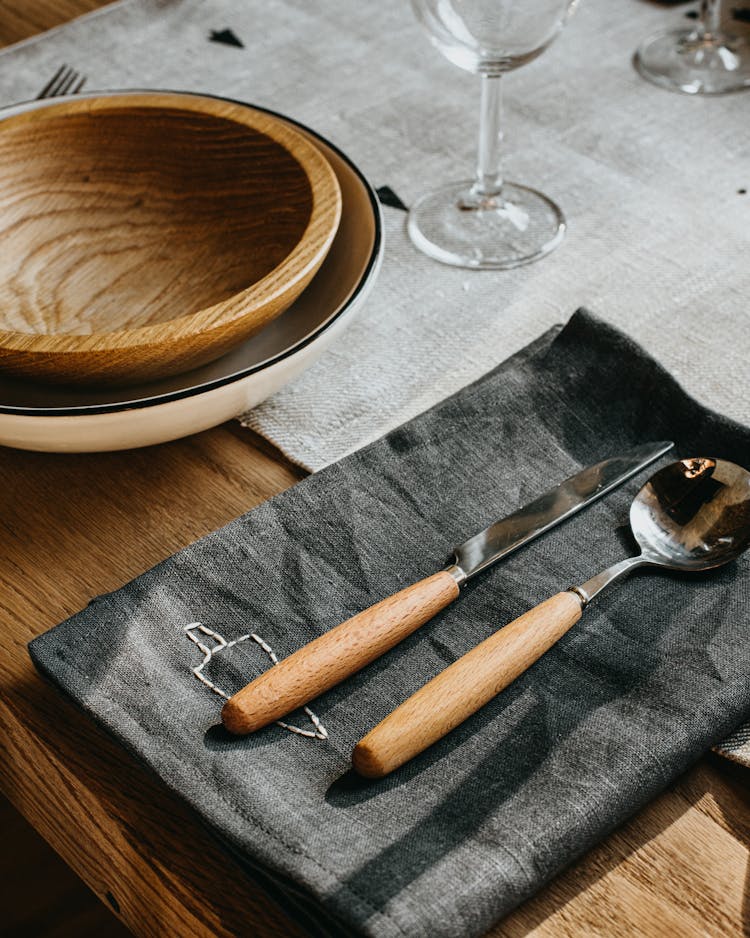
x=350, y=646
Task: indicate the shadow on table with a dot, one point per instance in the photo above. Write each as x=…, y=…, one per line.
x=163, y=866
x=724, y=786
x=733, y=801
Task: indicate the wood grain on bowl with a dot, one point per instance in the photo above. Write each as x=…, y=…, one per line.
x=54, y=417
x=147, y=233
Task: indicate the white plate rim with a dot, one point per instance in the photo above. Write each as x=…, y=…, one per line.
x=77, y=410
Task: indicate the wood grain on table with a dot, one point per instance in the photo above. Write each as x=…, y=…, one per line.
x=20, y=19
x=73, y=527
x=41, y=896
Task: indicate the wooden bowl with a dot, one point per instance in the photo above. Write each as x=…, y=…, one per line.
x=146, y=234
x=38, y=415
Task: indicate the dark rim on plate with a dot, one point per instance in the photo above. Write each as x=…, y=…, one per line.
x=152, y=401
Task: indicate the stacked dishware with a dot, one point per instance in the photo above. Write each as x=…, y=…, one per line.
x=172, y=260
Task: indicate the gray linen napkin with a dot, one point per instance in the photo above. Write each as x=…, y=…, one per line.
x=656, y=672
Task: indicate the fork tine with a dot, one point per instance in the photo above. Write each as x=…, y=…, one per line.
x=67, y=83
x=54, y=91
x=66, y=80
x=47, y=91
x=61, y=83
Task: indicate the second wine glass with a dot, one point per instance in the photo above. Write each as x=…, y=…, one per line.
x=703, y=59
x=486, y=222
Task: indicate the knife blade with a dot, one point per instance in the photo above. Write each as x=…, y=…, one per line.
x=350, y=646
x=560, y=503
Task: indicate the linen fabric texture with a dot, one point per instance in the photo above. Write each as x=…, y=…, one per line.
x=655, y=673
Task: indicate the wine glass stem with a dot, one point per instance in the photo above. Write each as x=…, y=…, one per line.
x=710, y=19
x=489, y=182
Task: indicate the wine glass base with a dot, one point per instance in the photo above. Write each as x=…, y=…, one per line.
x=454, y=226
x=684, y=61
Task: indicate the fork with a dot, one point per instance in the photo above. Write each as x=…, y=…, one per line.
x=66, y=80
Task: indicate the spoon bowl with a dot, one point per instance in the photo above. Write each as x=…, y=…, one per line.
x=693, y=514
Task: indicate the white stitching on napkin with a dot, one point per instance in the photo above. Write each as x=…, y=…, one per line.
x=320, y=732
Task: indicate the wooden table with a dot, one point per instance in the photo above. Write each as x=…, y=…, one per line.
x=76, y=526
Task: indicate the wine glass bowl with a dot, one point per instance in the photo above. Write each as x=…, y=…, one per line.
x=491, y=38
x=486, y=222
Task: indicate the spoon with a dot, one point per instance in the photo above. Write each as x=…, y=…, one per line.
x=691, y=515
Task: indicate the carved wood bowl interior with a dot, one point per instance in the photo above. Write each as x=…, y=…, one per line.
x=144, y=234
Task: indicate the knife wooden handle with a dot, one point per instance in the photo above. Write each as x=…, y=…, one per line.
x=465, y=686
x=337, y=654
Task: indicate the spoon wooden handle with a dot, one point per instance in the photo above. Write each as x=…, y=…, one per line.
x=332, y=657
x=465, y=686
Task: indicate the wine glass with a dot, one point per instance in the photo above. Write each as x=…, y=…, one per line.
x=487, y=223
x=701, y=60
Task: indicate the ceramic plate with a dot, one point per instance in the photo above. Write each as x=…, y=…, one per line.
x=56, y=419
